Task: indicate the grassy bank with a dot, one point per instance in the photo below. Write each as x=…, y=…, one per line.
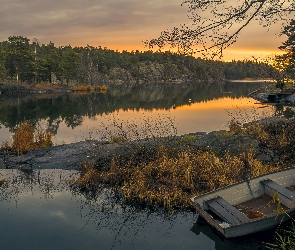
x=168, y=176
x=166, y=173
x=171, y=178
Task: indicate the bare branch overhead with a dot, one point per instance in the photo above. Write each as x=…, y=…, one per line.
x=216, y=24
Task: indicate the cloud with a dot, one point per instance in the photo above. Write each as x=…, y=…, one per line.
x=117, y=24
x=31, y=17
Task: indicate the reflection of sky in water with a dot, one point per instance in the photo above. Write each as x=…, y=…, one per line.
x=197, y=117
x=197, y=107
x=45, y=214
x=49, y=216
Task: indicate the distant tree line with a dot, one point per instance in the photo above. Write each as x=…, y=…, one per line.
x=25, y=61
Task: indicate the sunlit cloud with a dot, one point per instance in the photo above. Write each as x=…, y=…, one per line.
x=114, y=24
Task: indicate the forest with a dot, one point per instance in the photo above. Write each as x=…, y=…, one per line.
x=22, y=60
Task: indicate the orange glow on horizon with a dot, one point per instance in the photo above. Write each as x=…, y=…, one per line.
x=241, y=54
x=229, y=54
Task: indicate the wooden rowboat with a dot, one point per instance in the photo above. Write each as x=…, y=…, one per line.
x=245, y=207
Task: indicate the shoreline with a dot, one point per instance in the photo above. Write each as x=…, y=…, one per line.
x=69, y=156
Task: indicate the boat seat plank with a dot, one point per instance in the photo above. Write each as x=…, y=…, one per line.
x=226, y=211
x=286, y=196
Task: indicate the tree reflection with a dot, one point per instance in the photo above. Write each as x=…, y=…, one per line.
x=104, y=218
x=71, y=108
x=125, y=226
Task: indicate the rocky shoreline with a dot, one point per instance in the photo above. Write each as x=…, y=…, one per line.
x=68, y=156
x=286, y=97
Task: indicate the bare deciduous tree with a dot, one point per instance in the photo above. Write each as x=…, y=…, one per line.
x=216, y=24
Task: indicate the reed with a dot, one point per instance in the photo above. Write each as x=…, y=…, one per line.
x=275, y=136
x=284, y=239
x=167, y=175
x=171, y=178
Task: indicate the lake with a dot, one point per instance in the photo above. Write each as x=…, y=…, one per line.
x=153, y=109
x=40, y=211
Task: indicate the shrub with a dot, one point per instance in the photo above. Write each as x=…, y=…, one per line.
x=277, y=136
x=171, y=177
x=26, y=138
x=235, y=127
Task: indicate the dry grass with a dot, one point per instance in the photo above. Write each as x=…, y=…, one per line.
x=258, y=131
x=235, y=127
x=27, y=138
x=102, y=88
x=88, y=88
x=117, y=139
x=168, y=177
x=172, y=178
x=83, y=88
x=276, y=136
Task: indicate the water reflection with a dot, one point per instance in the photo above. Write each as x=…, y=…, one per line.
x=39, y=211
x=72, y=117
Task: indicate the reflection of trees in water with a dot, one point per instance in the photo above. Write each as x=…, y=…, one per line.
x=129, y=224
x=20, y=182
x=100, y=210
x=70, y=108
x=123, y=226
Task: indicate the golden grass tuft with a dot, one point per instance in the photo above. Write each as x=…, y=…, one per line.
x=117, y=139
x=102, y=88
x=172, y=178
x=235, y=127
x=257, y=130
x=277, y=136
x=27, y=139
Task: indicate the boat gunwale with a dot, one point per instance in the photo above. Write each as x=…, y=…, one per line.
x=227, y=231
x=199, y=197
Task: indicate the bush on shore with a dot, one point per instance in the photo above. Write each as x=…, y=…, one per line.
x=171, y=178
x=27, y=138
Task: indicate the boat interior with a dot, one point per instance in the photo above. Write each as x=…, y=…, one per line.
x=255, y=208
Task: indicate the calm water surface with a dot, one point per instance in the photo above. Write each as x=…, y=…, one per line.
x=165, y=108
x=38, y=210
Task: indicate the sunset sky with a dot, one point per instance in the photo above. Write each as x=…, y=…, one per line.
x=116, y=24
